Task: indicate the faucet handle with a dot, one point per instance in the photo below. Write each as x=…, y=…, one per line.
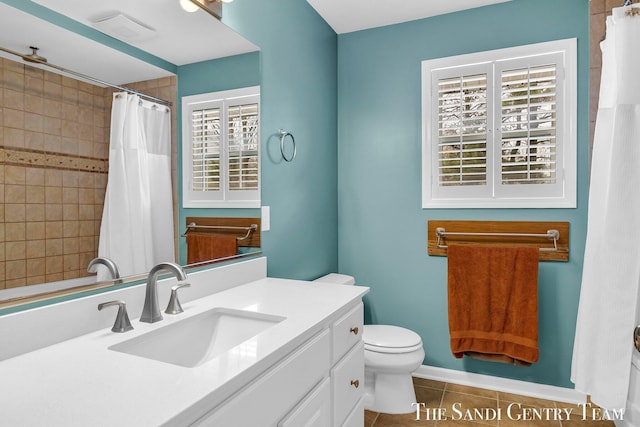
x=122, y=323
x=174, y=306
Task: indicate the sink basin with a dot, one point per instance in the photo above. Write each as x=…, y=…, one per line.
x=198, y=339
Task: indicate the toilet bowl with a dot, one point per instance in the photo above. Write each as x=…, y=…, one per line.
x=391, y=355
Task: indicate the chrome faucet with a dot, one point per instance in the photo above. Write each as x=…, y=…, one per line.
x=107, y=262
x=151, y=310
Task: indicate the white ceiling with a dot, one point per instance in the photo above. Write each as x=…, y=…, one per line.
x=19, y=30
x=179, y=37
x=353, y=15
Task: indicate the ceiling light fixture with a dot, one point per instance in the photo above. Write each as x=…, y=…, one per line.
x=188, y=6
x=213, y=7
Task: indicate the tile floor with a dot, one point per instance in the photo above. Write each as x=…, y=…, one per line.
x=457, y=405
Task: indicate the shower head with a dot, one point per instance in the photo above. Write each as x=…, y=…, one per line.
x=33, y=56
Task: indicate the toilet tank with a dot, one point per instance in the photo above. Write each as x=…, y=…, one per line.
x=338, y=279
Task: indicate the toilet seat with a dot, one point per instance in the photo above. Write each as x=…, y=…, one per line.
x=390, y=339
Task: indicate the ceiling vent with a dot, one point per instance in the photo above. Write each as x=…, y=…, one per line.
x=124, y=28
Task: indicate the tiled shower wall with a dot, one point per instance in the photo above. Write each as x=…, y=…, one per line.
x=53, y=171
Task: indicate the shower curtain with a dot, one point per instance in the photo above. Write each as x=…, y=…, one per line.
x=137, y=220
x=611, y=273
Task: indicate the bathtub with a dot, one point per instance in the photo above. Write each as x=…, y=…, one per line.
x=24, y=291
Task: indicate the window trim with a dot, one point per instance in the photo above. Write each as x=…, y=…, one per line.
x=223, y=198
x=567, y=160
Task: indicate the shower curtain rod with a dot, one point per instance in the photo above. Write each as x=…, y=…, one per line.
x=35, y=58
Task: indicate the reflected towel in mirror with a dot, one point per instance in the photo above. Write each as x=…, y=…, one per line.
x=205, y=247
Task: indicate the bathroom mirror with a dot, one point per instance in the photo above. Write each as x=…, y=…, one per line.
x=51, y=215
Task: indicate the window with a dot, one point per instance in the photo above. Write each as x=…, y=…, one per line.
x=499, y=128
x=221, y=149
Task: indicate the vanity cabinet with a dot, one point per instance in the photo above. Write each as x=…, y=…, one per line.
x=320, y=384
x=305, y=369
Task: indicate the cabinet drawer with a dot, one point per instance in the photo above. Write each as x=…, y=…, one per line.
x=347, y=331
x=347, y=383
x=314, y=410
x=269, y=397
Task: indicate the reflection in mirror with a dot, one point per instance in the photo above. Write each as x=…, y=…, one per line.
x=55, y=160
x=54, y=145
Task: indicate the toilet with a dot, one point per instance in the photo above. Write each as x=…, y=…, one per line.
x=391, y=355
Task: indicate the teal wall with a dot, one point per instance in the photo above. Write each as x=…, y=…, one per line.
x=231, y=72
x=382, y=227
x=212, y=76
x=298, y=55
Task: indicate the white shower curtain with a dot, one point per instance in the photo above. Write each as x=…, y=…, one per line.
x=137, y=221
x=611, y=273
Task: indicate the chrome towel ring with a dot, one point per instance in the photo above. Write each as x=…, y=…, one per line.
x=283, y=136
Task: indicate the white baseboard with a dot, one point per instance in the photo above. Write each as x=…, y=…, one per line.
x=541, y=391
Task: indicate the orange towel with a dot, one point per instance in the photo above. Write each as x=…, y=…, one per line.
x=205, y=247
x=493, y=302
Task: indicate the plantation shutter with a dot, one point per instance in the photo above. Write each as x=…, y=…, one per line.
x=529, y=125
x=206, y=140
x=462, y=117
x=499, y=128
x=243, y=134
x=221, y=149
x=530, y=115
x=462, y=130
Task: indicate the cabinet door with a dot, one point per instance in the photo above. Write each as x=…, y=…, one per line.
x=356, y=417
x=348, y=383
x=314, y=410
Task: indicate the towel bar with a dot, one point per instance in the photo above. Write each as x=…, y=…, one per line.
x=550, y=235
x=252, y=227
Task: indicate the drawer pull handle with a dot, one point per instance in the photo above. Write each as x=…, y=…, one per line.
x=355, y=383
x=354, y=330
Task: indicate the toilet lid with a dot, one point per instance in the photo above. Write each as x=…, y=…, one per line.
x=390, y=339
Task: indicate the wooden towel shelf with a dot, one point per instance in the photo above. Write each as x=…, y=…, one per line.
x=551, y=237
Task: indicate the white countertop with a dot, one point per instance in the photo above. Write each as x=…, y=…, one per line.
x=80, y=382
